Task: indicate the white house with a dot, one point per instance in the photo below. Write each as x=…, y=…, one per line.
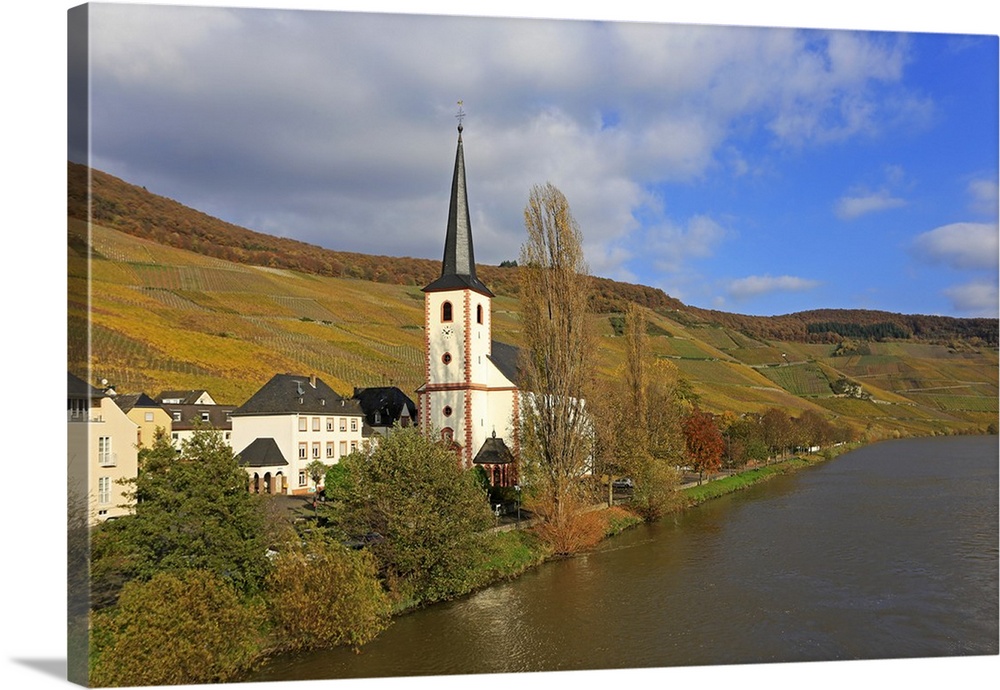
x=470, y=395
x=195, y=409
x=101, y=451
x=288, y=423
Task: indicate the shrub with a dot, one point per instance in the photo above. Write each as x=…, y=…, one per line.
x=324, y=595
x=188, y=627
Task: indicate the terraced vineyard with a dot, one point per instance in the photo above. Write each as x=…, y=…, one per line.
x=166, y=318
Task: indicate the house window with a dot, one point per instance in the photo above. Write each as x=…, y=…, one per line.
x=354, y=446
x=104, y=455
x=303, y=450
x=446, y=358
x=104, y=490
x=148, y=416
x=479, y=313
x=329, y=423
x=303, y=424
x=447, y=410
x=316, y=451
x=447, y=434
x=446, y=311
x=343, y=424
x=228, y=435
x=343, y=448
x=175, y=437
x=329, y=450
x=315, y=423
x=204, y=415
x=378, y=418
x=302, y=478
x=176, y=415
x=229, y=418
x=354, y=424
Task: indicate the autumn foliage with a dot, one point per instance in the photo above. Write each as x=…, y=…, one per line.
x=704, y=442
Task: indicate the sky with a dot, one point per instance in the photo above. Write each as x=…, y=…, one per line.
x=747, y=169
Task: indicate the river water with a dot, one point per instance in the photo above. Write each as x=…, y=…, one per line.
x=890, y=551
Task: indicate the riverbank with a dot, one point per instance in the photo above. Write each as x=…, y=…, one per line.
x=508, y=552
x=698, y=494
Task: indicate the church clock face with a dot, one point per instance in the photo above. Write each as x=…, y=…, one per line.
x=447, y=331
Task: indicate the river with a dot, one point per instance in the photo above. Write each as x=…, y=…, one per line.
x=890, y=551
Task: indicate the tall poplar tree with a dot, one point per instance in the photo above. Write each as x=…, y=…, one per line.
x=557, y=361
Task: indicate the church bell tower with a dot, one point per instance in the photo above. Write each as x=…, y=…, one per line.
x=458, y=332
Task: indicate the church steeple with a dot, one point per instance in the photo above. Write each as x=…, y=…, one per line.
x=458, y=268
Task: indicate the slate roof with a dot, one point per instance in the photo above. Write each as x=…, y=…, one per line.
x=504, y=358
x=493, y=452
x=458, y=268
x=191, y=416
x=262, y=452
x=77, y=389
x=131, y=400
x=388, y=401
x=291, y=394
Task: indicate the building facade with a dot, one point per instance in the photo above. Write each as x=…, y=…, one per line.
x=287, y=424
x=102, y=451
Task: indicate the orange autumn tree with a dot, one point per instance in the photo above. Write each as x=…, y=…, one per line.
x=704, y=442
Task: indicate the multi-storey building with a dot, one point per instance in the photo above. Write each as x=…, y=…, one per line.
x=102, y=451
x=195, y=409
x=288, y=423
x=147, y=414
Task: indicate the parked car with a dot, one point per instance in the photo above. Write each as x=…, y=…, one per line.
x=622, y=483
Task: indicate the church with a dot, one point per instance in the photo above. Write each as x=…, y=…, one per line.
x=470, y=395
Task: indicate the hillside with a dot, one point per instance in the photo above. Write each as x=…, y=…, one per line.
x=131, y=209
x=165, y=317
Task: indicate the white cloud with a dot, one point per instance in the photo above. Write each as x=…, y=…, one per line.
x=672, y=246
x=960, y=245
x=975, y=299
x=755, y=286
x=333, y=127
x=850, y=207
x=984, y=194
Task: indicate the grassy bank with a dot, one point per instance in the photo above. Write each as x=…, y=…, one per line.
x=696, y=495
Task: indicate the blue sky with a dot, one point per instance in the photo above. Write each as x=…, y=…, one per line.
x=748, y=169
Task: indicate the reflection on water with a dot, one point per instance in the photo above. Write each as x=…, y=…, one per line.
x=887, y=552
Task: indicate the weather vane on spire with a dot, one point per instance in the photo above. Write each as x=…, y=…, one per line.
x=460, y=116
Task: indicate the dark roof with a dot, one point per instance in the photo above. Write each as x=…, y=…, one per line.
x=262, y=452
x=290, y=394
x=388, y=401
x=493, y=452
x=458, y=268
x=191, y=416
x=504, y=358
x=128, y=401
x=77, y=388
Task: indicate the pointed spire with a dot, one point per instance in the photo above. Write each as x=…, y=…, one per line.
x=458, y=268
x=459, y=258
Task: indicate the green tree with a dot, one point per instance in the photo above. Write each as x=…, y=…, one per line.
x=557, y=362
x=317, y=471
x=192, y=511
x=184, y=627
x=323, y=595
x=412, y=493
